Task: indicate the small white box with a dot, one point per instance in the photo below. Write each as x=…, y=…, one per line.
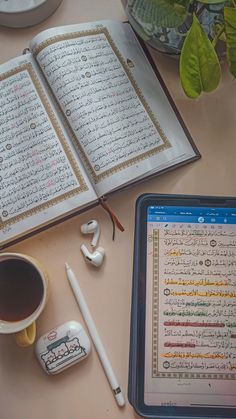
x=62, y=347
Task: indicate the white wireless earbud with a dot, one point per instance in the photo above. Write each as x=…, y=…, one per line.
x=92, y=227
x=95, y=258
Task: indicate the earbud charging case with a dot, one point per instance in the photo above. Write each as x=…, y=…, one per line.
x=62, y=347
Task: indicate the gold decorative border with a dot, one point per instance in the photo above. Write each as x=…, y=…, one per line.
x=155, y=325
x=83, y=187
x=166, y=144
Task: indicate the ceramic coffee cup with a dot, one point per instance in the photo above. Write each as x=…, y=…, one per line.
x=23, y=295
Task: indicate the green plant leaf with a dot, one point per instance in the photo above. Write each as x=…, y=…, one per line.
x=199, y=65
x=151, y=14
x=230, y=31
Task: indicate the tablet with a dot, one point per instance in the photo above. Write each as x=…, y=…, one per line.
x=183, y=317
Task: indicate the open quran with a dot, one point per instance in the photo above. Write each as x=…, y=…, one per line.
x=82, y=114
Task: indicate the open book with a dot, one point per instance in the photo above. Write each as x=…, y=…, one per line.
x=82, y=114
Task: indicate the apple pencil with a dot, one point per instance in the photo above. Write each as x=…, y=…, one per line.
x=95, y=336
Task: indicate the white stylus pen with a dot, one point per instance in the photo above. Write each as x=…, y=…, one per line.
x=95, y=336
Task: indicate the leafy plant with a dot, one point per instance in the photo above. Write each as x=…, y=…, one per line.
x=199, y=65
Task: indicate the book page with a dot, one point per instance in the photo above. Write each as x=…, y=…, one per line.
x=41, y=177
x=121, y=120
x=190, y=343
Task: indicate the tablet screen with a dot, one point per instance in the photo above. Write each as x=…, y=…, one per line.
x=190, y=341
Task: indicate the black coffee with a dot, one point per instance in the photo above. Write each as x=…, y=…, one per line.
x=21, y=289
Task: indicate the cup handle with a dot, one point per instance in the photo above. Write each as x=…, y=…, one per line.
x=26, y=337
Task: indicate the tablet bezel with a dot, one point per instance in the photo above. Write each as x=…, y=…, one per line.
x=137, y=342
